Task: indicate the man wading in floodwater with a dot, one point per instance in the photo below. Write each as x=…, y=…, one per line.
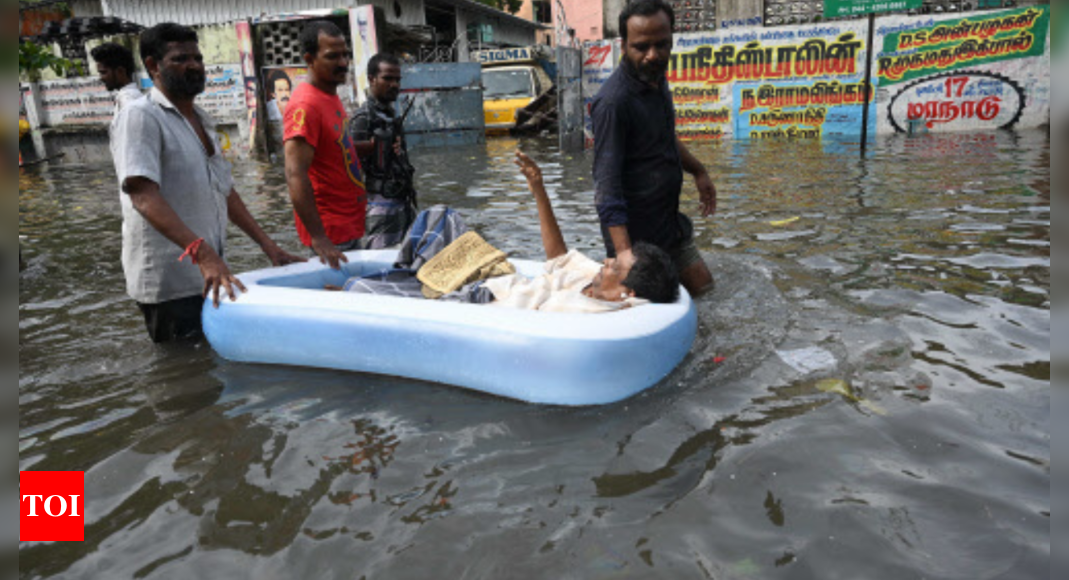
x=379, y=128
x=322, y=163
x=115, y=65
x=638, y=159
x=178, y=192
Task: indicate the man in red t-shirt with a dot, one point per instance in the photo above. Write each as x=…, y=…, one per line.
x=322, y=163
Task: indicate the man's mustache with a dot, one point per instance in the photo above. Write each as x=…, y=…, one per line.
x=343, y=70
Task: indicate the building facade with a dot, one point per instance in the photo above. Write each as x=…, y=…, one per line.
x=457, y=22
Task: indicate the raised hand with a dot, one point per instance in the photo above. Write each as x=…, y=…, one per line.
x=529, y=168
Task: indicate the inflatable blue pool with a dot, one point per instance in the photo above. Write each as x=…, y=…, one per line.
x=286, y=318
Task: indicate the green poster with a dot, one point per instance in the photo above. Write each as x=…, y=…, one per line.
x=955, y=44
x=852, y=8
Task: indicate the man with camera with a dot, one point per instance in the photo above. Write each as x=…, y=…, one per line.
x=377, y=127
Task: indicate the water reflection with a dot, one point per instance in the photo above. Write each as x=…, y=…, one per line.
x=922, y=450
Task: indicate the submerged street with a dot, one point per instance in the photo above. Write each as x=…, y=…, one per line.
x=869, y=395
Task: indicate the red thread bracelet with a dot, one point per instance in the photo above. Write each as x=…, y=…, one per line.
x=192, y=251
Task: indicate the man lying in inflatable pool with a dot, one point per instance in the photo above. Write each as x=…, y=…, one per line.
x=572, y=282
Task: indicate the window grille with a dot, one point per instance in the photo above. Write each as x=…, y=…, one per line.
x=694, y=15
x=789, y=12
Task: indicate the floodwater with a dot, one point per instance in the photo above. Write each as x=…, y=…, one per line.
x=868, y=399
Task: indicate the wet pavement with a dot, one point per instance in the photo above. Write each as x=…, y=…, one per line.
x=869, y=396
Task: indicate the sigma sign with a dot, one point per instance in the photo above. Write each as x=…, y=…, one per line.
x=959, y=101
x=503, y=55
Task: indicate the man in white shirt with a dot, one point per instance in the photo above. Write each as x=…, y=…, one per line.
x=571, y=283
x=574, y=282
x=115, y=65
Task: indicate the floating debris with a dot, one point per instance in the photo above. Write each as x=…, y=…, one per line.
x=840, y=387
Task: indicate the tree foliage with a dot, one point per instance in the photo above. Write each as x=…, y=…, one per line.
x=34, y=58
x=510, y=6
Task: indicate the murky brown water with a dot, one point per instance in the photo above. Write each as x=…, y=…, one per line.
x=921, y=451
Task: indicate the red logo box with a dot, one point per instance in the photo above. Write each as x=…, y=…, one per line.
x=53, y=506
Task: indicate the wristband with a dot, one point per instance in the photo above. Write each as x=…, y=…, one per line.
x=192, y=251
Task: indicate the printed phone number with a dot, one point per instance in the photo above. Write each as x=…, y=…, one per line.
x=853, y=9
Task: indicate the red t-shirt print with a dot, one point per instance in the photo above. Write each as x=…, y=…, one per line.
x=337, y=178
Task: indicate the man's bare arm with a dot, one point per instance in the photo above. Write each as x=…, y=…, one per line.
x=146, y=199
x=621, y=240
x=299, y=156
x=706, y=188
x=552, y=239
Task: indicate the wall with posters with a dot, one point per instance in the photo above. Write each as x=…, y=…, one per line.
x=794, y=82
x=279, y=83
x=84, y=104
x=224, y=93
x=365, y=46
x=989, y=70
x=78, y=101
x=599, y=61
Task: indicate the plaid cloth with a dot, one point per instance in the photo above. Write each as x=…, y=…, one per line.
x=387, y=222
x=401, y=283
x=433, y=231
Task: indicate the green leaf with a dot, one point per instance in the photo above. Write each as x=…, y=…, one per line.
x=34, y=58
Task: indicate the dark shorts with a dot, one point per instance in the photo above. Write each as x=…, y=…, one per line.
x=175, y=320
x=684, y=254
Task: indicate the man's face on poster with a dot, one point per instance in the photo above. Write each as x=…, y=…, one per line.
x=283, y=92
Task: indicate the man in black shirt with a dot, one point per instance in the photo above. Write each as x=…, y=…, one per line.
x=378, y=130
x=639, y=161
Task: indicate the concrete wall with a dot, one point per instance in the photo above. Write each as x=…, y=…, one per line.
x=74, y=113
x=807, y=81
x=587, y=17
x=527, y=12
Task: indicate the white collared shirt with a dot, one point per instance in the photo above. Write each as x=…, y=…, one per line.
x=126, y=95
x=560, y=289
x=152, y=140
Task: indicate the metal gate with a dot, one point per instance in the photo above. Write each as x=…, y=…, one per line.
x=570, y=99
x=448, y=104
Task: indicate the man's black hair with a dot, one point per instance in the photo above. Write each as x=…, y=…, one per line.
x=653, y=276
x=114, y=56
x=275, y=76
x=645, y=8
x=310, y=35
x=155, y=40
x=378, y=60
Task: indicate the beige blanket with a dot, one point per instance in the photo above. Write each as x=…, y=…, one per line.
x=468, y=260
